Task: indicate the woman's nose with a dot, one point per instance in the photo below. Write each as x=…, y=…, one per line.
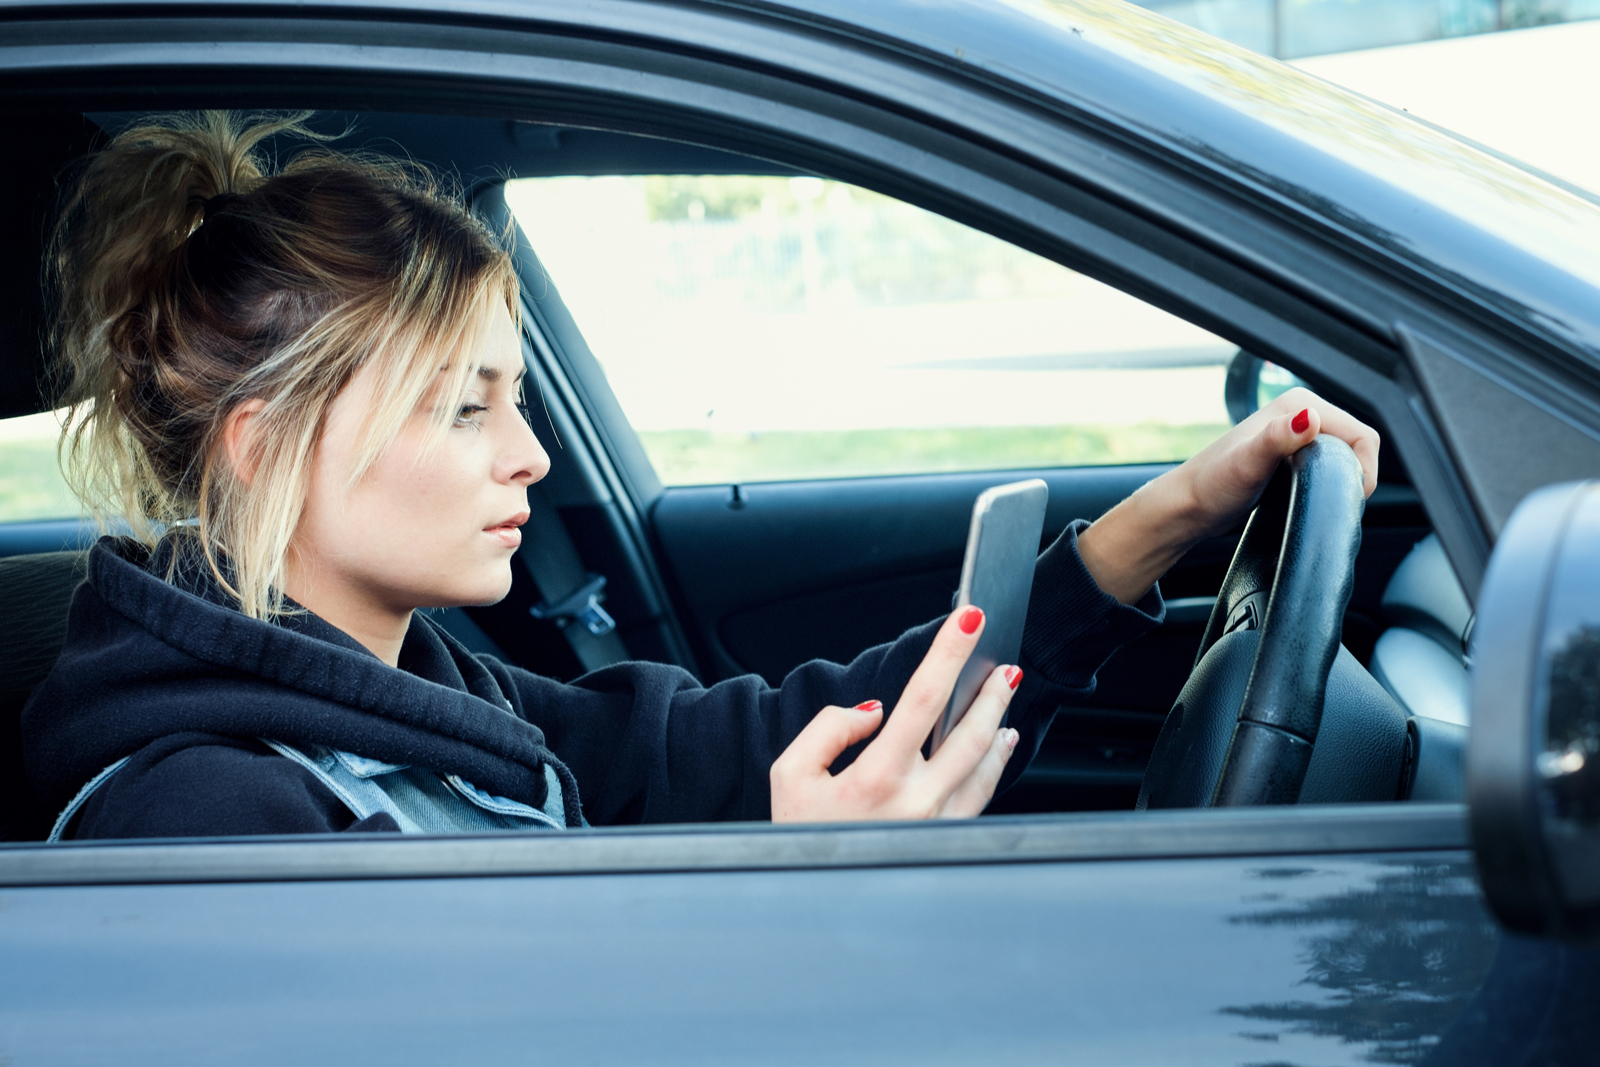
x=525, y=461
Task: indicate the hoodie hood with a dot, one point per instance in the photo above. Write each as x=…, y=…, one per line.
x=146, y=657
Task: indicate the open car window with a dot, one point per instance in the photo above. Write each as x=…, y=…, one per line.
x=759, y=328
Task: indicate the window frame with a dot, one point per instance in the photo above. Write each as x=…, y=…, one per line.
x=1053, y=181
x=1062, y=185
x=993, y=841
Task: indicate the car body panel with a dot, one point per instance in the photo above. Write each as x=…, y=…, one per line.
x=1317, y=958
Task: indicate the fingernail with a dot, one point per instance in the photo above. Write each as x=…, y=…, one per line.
x=1301, y=421
x=1013, y=676
x=871, y=705
x=970, y=620
x=1011, y=739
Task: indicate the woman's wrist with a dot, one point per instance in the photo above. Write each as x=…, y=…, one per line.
x=1134, y=543
x=1131, y=546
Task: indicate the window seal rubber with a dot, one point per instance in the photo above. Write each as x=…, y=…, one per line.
x=1070, y=838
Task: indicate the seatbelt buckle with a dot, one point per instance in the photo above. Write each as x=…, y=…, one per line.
x=581, y=605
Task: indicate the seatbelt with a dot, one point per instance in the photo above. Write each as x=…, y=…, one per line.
x=572, y=595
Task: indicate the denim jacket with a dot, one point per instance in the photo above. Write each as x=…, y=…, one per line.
x=420, y=800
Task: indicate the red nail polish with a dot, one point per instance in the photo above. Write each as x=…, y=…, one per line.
x=1301, y=421
x=970, y=620
x=871, y=705
x=1013, y=676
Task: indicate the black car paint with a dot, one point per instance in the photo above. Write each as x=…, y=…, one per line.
x=895, y=965
x=665, y=964
x=894, y=941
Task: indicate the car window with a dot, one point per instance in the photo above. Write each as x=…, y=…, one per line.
x=770, y=328
x=31, y=485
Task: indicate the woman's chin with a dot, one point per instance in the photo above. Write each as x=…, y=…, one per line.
x=491, y=588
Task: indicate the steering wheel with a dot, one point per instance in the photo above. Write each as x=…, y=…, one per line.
x=1290, y=579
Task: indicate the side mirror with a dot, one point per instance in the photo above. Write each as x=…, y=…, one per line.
x=1533, y=757
x=1253, y=382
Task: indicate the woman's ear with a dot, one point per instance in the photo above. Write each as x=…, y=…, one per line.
x=239, y=430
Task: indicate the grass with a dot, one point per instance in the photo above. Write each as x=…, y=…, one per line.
x=31, y=486
x=698, y=457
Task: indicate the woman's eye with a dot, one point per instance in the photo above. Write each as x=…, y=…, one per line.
x=468, y=415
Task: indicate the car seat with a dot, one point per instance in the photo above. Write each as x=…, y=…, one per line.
x=35, y=593
x=1421, y=660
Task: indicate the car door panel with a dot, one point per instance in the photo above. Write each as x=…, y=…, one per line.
x=769, y=576
x=758, y=566
x=1096, y=960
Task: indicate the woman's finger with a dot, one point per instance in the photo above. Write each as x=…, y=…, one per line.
x=928, y=692
x=1366, y=450
x=974, y=794
x=1286, y=434
x=1333, y=420
x=1362, y=439
x=974, y=735
x=830, y=732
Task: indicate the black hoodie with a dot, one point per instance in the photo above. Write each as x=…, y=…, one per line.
x=168, y=674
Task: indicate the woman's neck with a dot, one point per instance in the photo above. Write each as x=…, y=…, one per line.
x=380, y=628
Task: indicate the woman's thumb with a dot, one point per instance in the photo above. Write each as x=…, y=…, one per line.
x=829, y=733
x=1287, y=434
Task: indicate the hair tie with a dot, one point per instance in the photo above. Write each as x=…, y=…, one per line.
x=212, y=204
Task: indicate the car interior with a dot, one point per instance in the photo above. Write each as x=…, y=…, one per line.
x=747, y=576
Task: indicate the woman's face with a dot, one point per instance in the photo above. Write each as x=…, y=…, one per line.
x=421, y=528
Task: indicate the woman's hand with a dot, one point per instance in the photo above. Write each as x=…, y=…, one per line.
x=1133, y=544
x=890, y=779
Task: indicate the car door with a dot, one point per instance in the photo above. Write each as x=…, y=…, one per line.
x=1334, y=936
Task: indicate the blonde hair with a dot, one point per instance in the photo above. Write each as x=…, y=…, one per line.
x=188, y=280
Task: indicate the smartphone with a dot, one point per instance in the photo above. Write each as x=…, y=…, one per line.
x=997, y=576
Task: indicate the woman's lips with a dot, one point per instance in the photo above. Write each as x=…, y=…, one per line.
x=506, y=532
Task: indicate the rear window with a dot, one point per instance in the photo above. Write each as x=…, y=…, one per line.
x=31, y=485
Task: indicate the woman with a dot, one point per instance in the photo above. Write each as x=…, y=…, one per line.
x=304, y=393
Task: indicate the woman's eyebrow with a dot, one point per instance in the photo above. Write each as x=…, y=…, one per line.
x=493, y=374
